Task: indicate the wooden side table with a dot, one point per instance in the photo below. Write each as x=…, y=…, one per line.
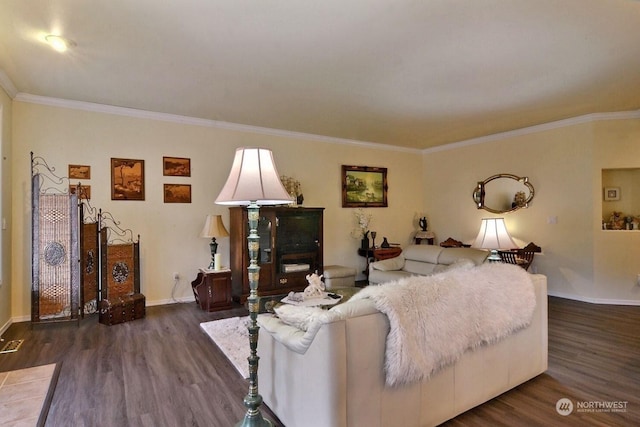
x=425, y=235
x=212, y=290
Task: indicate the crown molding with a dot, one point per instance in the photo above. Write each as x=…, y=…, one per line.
x=587, y=118
x=174, y=118
x=7, y=84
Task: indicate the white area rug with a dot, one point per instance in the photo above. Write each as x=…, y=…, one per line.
x=232, y=337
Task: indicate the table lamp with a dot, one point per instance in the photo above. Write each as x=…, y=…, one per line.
x=493, y=235
x=214, y=227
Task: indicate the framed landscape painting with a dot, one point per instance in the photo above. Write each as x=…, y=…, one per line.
x=127, y=179
x=79, y=172
x=364, y=187
x=176, y=166
x=177, y=193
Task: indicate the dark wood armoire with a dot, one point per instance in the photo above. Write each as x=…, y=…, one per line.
x=290, y=248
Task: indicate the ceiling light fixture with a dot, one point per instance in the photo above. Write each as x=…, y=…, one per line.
x=59, y=43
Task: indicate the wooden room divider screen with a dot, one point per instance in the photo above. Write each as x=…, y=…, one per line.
x=55, y=286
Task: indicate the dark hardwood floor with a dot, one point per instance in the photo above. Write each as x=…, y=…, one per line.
x=164, y=371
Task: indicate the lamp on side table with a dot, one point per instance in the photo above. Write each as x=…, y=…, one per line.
x=493, y=235
x=214, y=227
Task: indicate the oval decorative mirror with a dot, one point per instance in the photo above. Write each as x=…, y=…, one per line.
x=503, y=193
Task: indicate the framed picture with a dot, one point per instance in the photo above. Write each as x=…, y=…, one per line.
x=611, y=193
x=79, y=172
x=127, y=179
x=85, y=191
x=364, y=187
x=177, y=193
x=176, y=166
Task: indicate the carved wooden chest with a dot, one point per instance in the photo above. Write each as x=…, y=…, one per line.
x=122, y=309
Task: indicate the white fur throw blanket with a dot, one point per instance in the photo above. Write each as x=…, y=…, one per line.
x=435, y=319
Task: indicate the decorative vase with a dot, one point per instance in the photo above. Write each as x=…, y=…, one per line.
x=300, y=199
x=364, y=243
x=384, y=243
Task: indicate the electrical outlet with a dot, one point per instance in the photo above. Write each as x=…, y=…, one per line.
x=176, y=276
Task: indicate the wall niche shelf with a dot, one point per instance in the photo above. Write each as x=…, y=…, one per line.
x=621, y=199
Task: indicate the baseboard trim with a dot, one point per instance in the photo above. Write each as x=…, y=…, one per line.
x=180, y=300
x=6, y=326
x=594, y=300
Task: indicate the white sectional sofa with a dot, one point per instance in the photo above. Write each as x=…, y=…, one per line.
x=334, y=376
x=422, y=260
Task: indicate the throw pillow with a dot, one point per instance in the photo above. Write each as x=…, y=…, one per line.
x=296, y=316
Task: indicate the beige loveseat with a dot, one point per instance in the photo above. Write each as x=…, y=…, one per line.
x=335, y=377
x=422, y=260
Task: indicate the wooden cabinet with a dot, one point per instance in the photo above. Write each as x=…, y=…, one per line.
x=212, y=290
x=290, y=248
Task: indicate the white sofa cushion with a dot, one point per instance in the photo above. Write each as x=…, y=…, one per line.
x=449, y=256
x=422, y=253
x=390, y=264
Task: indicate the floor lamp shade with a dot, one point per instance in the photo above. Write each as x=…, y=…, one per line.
x=493, y=234
x=253, y=178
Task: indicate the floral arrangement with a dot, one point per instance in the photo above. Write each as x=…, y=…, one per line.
x=362, y=229
x=294, y=189
x=292, y=185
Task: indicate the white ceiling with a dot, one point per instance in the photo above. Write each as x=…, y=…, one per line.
x=414, y=73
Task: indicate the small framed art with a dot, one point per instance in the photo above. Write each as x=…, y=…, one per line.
x=85, y=191
x=176, y=166
x=79, y=172
x=364, y=187
x=611, y=193
x=127, y=179
x=177, y=193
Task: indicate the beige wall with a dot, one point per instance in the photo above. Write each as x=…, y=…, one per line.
x=169, y=232
x=5, y=211
x=616, y=253
x=564, y=165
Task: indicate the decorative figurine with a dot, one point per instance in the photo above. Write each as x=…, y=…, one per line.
x=315, y=288
x=423, y=223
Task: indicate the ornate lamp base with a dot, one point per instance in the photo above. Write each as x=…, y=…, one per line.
x=253, y=400
x=254, y=420
x=213, y=246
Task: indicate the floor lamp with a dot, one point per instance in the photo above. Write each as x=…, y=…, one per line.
x=252, y=182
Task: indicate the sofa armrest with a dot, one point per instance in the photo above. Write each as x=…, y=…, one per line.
x=389, y=264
